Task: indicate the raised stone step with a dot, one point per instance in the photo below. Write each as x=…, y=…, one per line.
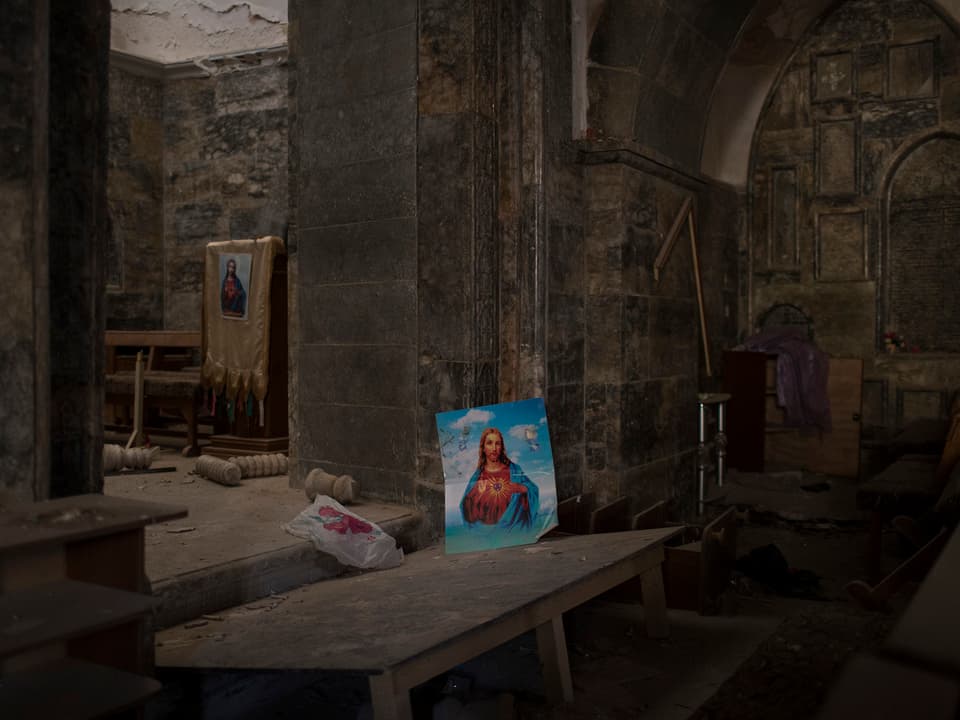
x=231, y=549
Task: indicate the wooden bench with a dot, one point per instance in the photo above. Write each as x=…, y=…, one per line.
x=922, y=456
x=75, y=637
x=171, y=379
x=915, y=673
x=927, y=541
x=411, y=623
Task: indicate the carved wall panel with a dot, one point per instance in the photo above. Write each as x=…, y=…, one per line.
x=911, y=70
x=837, y=158
x=784, y=248
x=833, y=76
x=874, y=401
x=922, y=262
x=915, y=403
x=841, y=253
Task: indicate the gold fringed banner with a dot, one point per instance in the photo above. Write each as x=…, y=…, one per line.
x=236, y=316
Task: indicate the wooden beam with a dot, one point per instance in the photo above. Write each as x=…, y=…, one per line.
x=700, y=304
x=671, y=239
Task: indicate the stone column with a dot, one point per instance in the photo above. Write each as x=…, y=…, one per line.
x=79, y=67
x=458, y=270
x=24, y=324
x=354, y=173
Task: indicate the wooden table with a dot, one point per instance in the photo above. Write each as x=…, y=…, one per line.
x=406, y=625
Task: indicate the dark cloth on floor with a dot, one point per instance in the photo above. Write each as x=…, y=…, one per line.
x=767, y=565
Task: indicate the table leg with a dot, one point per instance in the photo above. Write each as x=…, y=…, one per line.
x=654, y=602
x=389, y=702
x=552, y=645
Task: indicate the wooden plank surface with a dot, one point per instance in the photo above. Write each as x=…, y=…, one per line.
x=929, y=630
x=77, y=517
x=63, y=610
x=379, y=620
x=72, y=690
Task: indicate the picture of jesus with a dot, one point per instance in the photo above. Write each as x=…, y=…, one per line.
x=499, y=493
x=499, y=480
x=235, y=272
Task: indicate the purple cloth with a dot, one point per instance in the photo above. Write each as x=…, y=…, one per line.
x=802, y=371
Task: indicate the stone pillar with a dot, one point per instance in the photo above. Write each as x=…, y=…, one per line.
x=354, y=170
x=24, y=323
x=458, y=268
x=52, y=232
x=79, y=67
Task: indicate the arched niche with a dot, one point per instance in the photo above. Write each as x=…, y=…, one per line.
x=920, y=261
x=763, y=48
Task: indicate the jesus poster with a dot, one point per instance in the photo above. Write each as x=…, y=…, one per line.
x=499, y=482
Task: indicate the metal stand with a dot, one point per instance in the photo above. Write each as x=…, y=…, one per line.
x=718, y=401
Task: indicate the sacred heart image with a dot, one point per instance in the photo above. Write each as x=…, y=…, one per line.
x=499, y=482
x=234, y=285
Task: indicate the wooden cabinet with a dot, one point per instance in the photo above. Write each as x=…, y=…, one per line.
x=74, y=607
x=758, y=438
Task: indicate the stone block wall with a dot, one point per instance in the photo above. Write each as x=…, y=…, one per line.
x=53, y=225
x=354, y=139
x=643, y=359
x=225, y=173
x=24, y=324
x=193, y=160
x=78, y=229
x=134, y=272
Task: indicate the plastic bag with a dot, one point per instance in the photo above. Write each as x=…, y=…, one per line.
x=348, y=537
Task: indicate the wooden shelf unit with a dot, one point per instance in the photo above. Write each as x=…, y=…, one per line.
x=75, y=640
x=757, y=434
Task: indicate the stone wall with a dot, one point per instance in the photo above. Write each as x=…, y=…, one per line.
x=193, y=160
x=53, y=67
x=354, y=169
x=225, y=172
x=643, y=352
x=78, y=229
x=24, y=324
x=849, y=224
x=134, y=260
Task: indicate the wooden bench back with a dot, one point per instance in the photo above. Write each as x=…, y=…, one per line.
x=166, y=349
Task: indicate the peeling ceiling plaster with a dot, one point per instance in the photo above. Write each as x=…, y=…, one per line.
x=170, y=31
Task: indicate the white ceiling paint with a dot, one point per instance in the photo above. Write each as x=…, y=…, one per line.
x=170, y=31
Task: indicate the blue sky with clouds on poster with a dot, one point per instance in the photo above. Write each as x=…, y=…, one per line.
x=460, y=432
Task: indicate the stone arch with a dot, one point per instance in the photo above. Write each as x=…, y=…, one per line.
x=786, y=315
x=919, y=263
x=768, y=40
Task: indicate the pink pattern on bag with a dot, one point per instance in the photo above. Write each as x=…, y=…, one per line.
x=333, y=519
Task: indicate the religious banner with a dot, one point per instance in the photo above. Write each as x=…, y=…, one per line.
x=236, y=317
x=499, y=481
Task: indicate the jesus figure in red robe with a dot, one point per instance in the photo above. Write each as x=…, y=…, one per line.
x=498, y=493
